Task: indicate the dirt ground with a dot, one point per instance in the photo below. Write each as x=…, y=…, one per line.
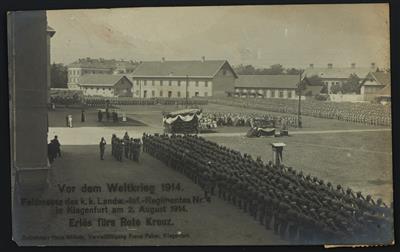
x=350, y=154
x=212, y=223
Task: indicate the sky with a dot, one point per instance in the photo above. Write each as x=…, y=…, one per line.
x=291, y=35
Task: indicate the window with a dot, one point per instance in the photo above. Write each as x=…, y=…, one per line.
x=104, y=89
x=205, y=93
x=179, y=94
x=206, y=84
x=97, y=89
x=169, y=83
x=179, y=83
x=161, y=93
x=197, y=83
x=145, y=83
x=152, y=83
x=273, y=93
x=153, y=93
x=161, y=83
x=196, y=94
x=289, y=94
x=280, y=94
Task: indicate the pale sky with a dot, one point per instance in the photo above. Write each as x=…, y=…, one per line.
x=291, y=35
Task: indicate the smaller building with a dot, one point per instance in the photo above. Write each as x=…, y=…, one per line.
x=266, y=86
x=376, y=83
x=106, y=85
x=86, y=66
x=331, y=75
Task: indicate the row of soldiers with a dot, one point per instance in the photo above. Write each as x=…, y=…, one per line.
x=219, y=119
x=298, y=207
x=365, y=113
x=109, y=115
x=127, y=147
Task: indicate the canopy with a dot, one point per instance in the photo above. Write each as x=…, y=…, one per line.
x=186, y=115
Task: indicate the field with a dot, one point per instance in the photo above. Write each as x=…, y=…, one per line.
x=353, y=155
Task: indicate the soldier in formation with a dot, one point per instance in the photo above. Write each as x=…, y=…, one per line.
x=297, y=207
x=128, y=148
x=364, y=113
x=219, y=119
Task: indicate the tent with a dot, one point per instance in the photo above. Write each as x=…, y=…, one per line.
x=182, y=121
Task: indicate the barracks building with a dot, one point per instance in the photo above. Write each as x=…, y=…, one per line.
x=172, y=79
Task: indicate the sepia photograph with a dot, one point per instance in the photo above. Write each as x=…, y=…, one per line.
x=209, y=125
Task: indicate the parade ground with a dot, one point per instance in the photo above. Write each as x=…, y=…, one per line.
x=350, y=154
x=336, y=151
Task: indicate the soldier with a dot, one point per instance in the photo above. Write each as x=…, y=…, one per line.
x=83, y=117
x=126, y=145
x=99, y=116
x=113, y=144
x=136, y=149
x=102, y=146
x=57, y=147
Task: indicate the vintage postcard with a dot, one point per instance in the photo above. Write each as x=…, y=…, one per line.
x=230, y=125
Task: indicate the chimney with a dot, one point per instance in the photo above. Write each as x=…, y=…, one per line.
x=373, y=66
x=203, y=59
x=311, y=65
x=162, y=59
x=353, y=65
x=330, y=65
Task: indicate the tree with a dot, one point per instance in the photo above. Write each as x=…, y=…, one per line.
x=314, y=80
x=293, y=71
x=58, y=76
x=351, y=85
x=276, y=69
x=336, y=89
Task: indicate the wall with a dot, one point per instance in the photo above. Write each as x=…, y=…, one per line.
x=269, y=93
x=123, y=88
x=346, y=97
x=223, y=81
x=160, y=88
x=98, y=91
x=28, y=55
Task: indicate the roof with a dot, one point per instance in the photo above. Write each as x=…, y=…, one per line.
x=384, y=91
x=183, y=68
x=267, y=81
x=382, y=78
x=100, y=79
x=183, y=112
x=337, y=72
x=102, y=63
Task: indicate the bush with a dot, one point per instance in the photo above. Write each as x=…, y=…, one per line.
x=321, y=97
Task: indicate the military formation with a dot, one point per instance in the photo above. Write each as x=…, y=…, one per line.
x=220, y=119
x=125, y=148
x=101, y=101
x=363, y=113
x=300, y=208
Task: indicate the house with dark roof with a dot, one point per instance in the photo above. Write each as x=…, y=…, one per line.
x=86, y=66
x=266, y=86
x=331, y=75
x=376, y=84
x=201, y=78
x=106, y=85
